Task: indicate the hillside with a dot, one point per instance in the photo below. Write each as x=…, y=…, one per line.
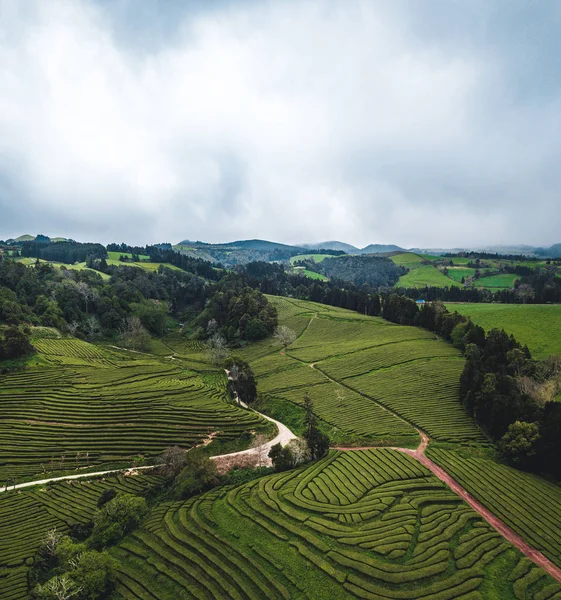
x=536, y=325
x=93, y=406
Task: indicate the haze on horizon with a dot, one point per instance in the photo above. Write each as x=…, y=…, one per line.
x=421, y=124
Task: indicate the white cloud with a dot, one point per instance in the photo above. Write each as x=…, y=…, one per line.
x=288, y=121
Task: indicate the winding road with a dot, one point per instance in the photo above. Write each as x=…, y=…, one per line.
x=285, y=435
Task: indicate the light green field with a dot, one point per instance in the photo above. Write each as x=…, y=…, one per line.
x=370, y=524
x=315, y=257
x=502, y=281
x=423, y=276
x=408, y=259
x=536, y=325
x=371, y=380
x=148, y=266
x=116, y=255
x=457, y=273
x=75, y=267
x=111, y=404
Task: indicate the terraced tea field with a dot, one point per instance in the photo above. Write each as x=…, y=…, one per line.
x=25, y=517
x=536, y=325
x=370, y=379
x=364, y=524
x=531, y=506
x=94, y=407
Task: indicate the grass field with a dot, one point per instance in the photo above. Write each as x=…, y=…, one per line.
x=536, y=325
x=528, y=504
x=315, y=257
x=408, y=259
x=117, y=255
x=148, y=266
x=25, y=518
x=502, y=281
x=426, y=275
x=92, y=406
x=366, y=524
x=371, y=381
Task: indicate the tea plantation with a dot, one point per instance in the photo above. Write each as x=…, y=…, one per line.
x=370, y=380
x=94, y=407
x=509, y=494
x=363, y=524
x=25, y=518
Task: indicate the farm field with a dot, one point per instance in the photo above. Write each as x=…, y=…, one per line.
x=536, y=325
x=501, y=281
x=527, y=503
x=363, y=524
x=422, y=274
x=371, y=381
x=91, y=406
x=117, y=255
x=408, y=259
x=426, y=275
x=148, y=266
x=315, y=257
x=25, y=518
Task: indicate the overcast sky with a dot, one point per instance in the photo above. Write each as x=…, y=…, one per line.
x=430, y=123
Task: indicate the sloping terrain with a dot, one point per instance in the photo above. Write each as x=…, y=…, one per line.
x=365, y=524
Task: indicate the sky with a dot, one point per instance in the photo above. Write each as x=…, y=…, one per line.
x=422, y=123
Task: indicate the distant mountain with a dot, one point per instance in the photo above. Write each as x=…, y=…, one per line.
x=333, y=245
x=381, y=249
x=551, y=252
x=262, y=245
x=25, y=238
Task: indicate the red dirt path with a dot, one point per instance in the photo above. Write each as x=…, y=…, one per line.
x=535, y=555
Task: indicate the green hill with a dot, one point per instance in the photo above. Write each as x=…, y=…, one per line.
x=536, y=325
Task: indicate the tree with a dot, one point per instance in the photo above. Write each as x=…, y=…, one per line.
x=172, y=461
x=281, y=457
x=284, y=336
x=60, y=587
x=317, y=441
x=242, y=379
x=117, y=518
x=16, y=343
x=518, y=444
x=217, y=349
x=198, y=475
x=258, y=444
x=134, y=336
x=86, y=292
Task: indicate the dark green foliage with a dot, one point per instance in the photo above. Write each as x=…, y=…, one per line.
x=281, y=457
x=14, y=343
x=107, y=495
x=65, y=252
x=117, y=518
x=242, y=380
x=518, y=444
x=239, y=311
x=376, y=271
x=318, y=442
x=198, y=475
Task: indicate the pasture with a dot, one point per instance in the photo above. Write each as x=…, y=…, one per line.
x=425, y=275
x=25, y=518
x=92, y=407
x=315, y=257
x=536, y=325
x=371, y=381
x=371, y=524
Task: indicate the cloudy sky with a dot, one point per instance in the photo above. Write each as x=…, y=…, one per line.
x=417, y=122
